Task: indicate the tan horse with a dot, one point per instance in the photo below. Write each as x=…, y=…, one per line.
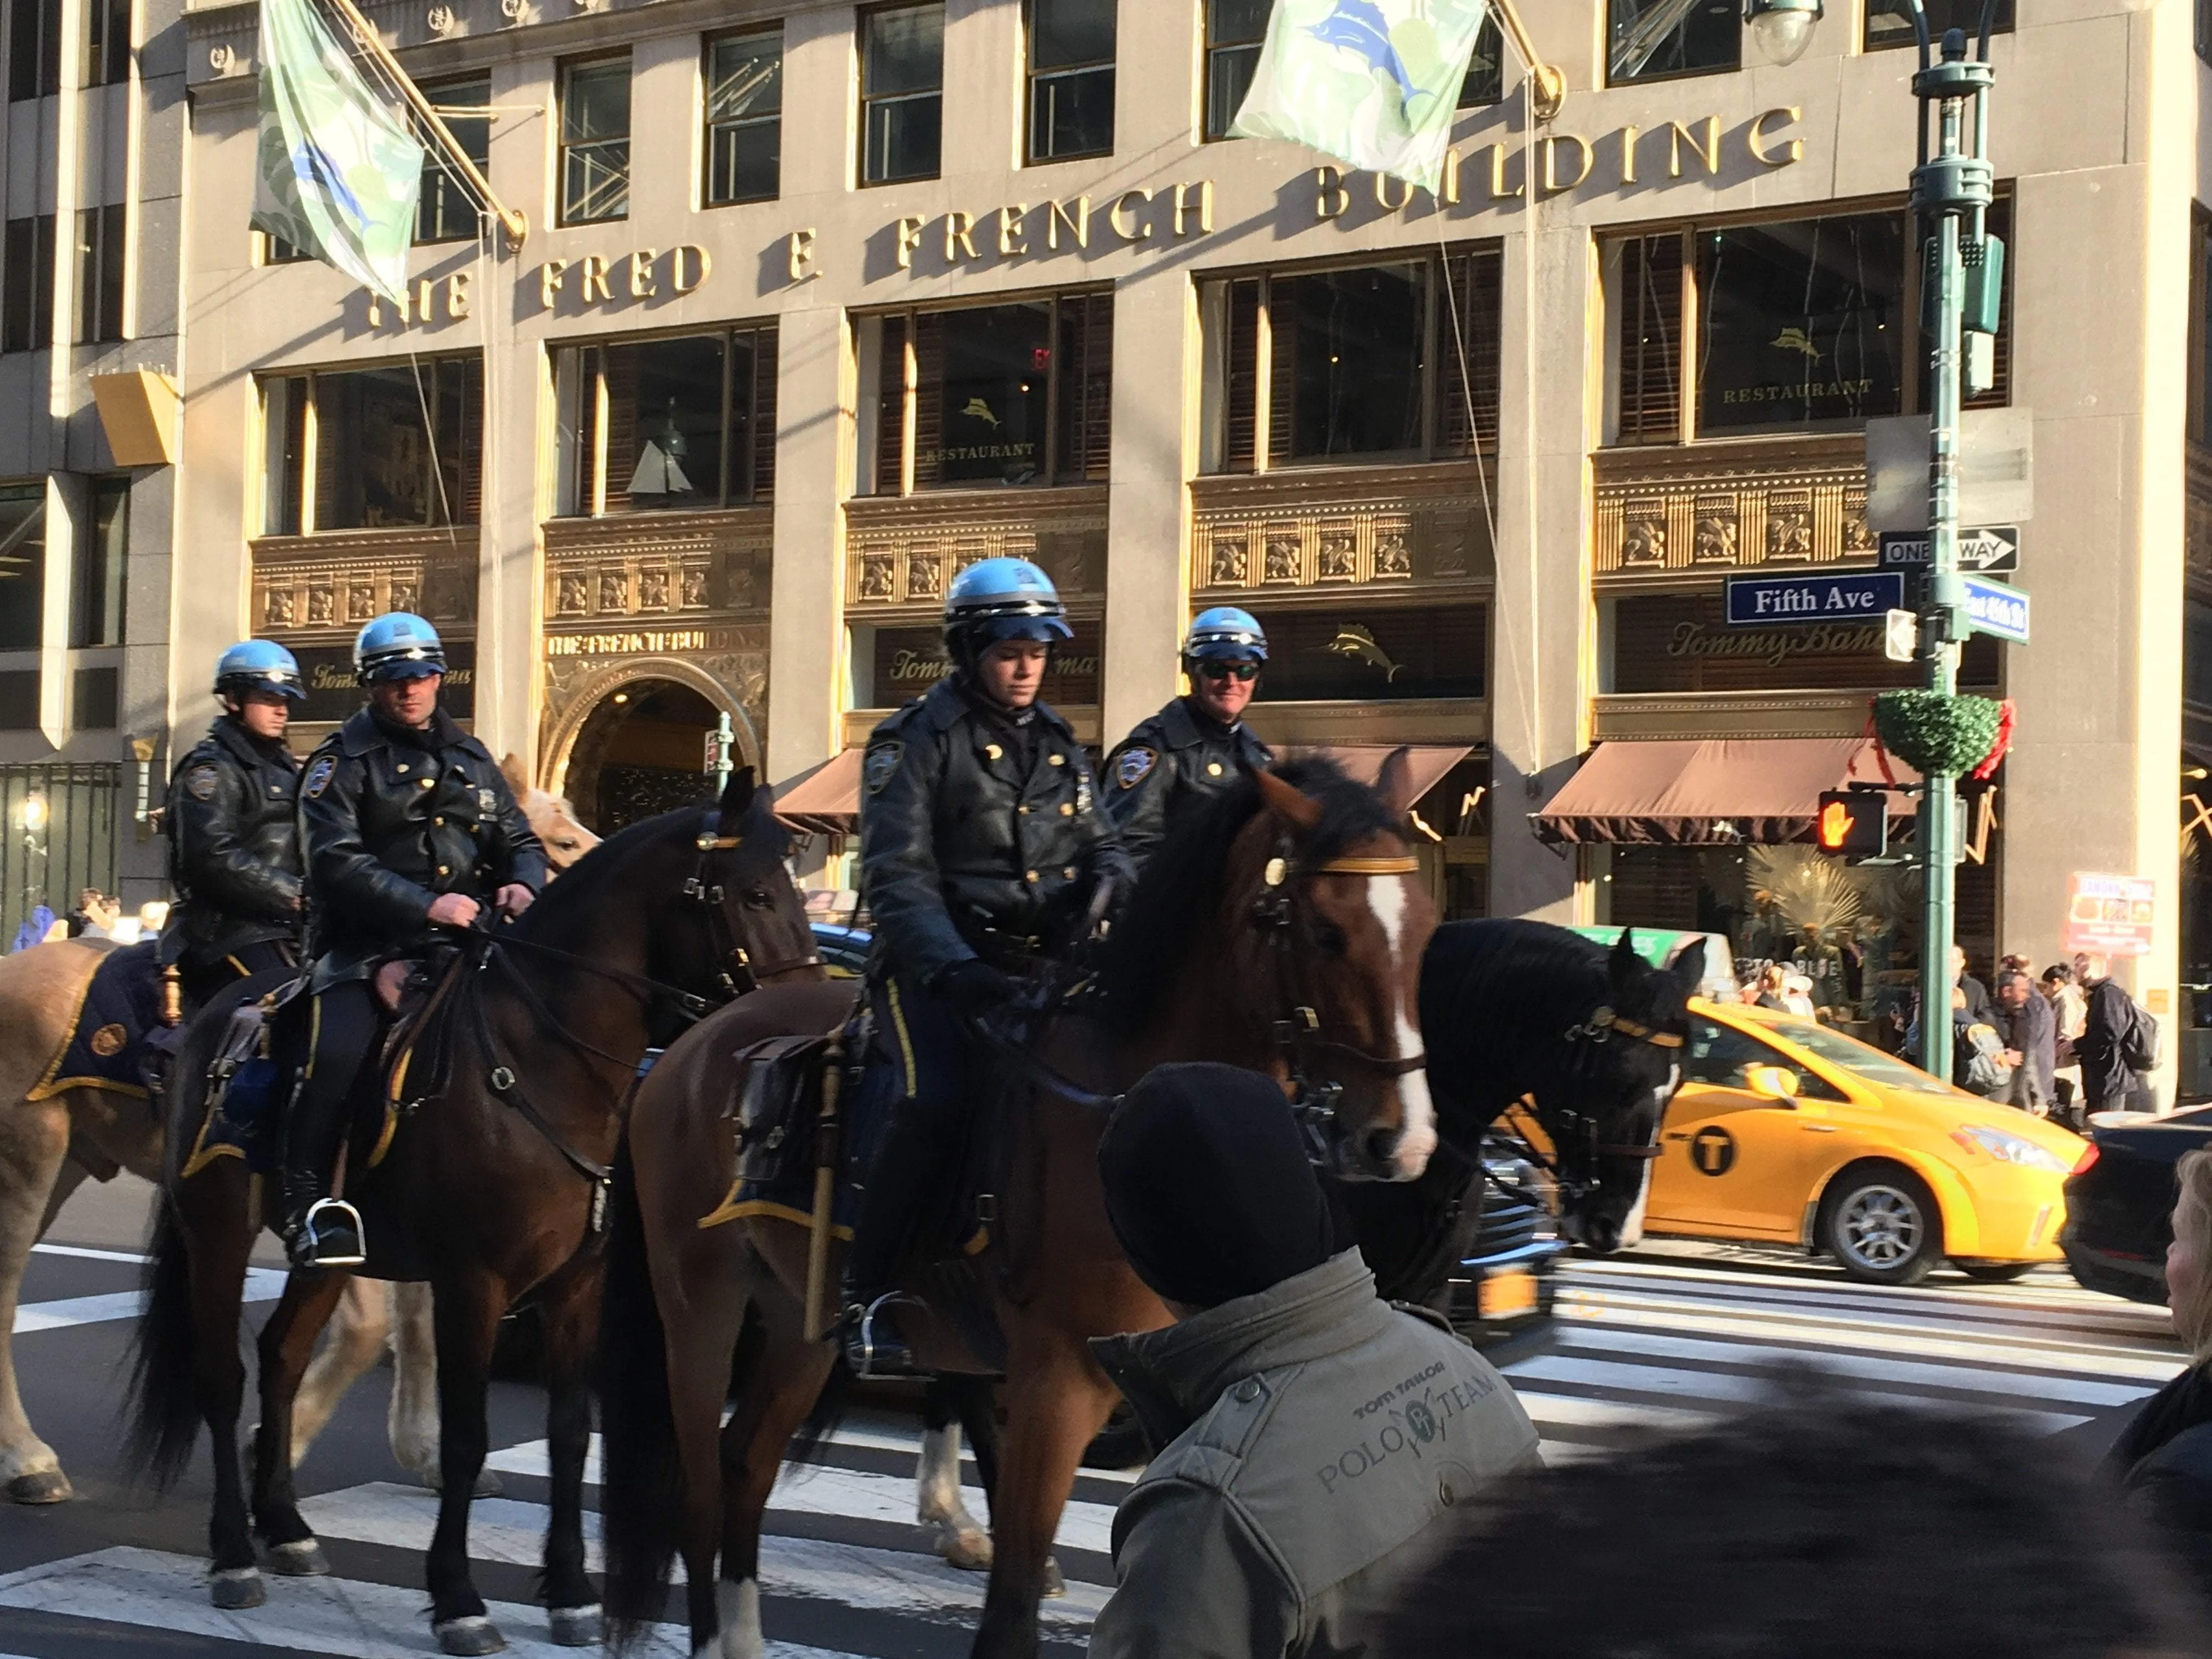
x=49, y=1146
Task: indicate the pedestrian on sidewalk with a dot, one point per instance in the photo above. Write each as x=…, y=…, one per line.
x=1313, y=1434
x=2029, y=1028
x=2108, y=1084
x=2071, y=1010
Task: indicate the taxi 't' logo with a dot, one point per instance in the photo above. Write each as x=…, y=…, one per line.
x=1712, y=1151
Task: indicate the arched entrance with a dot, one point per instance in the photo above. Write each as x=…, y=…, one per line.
x=643, y=751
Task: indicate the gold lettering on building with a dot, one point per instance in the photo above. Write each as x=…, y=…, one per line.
x=548, y=281
x=908, y=232
x=593, y=274
x=1122, y=216
x=1331, y=199
x=1078, y=224
x=801, y=247
x=1628, y=156
x=959, y=235
x=1585, y=159
x=658, y=641
x=1013, y=239
x=457, y=296
x=1775, y=646
x=1184, y=205
x=688, y=257
x=1709, y=151
x=1757, y=139
x=641, y=273
x=1383, y=183
x=1498, y=191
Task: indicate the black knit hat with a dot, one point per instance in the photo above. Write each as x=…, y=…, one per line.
x=1208, y=1185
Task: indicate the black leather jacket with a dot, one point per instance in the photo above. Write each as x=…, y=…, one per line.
x=390, y=819
x=234, y=845
x=962, y=855
x=1170, y=763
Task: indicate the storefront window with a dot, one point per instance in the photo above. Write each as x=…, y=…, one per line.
x=1486, y=69
x=1003, y=395
x=1071, y=79
x=1889, y=22
x=374, y=448
x=901, y=94
x=1347, y=346
x=595, y=142
x=687, y=422
x=745, y=118
x=1367, y=653
x=894, y=665
x=103, y=555
x=447, y=210
x=22, y=564
x=1659, y=39
x=1234, y=29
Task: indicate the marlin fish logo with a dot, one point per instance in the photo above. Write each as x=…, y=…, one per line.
x=312, y=166
x=1797, y=339
x=1356, y=642
x=1359, y=26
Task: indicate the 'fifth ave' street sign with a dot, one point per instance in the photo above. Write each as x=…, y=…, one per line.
x=1781, y=601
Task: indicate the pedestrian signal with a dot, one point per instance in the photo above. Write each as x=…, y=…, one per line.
x=1853, y=823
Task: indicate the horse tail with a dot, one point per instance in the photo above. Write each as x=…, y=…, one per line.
x=165, y=1405
x=641, y=1491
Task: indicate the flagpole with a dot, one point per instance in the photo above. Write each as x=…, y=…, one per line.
x=1549, y=90
x=516, y=224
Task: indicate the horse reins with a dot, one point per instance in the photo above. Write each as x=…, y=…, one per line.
x=1601, y=1026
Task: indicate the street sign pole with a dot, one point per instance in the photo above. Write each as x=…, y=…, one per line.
x=1953, y=189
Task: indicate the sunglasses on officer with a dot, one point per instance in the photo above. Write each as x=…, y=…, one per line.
x=1224, y=670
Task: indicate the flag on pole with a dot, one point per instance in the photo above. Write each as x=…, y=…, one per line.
x=339, y=170
x=1373, y=83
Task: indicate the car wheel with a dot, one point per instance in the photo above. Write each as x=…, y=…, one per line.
x=1995, y=1273
x=1881, y=1224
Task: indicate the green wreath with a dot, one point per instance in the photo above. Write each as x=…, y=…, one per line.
x=1937, y=733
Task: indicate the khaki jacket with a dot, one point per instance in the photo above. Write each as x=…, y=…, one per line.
x=1312, y=1434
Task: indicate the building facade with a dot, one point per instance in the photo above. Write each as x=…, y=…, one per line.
x=92, y=157
x=819, y=303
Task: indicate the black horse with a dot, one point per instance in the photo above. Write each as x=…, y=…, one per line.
x=1514, y=1010
x=493, y=1191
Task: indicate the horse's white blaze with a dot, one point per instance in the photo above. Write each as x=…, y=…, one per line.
x=1417, y=1137
x=737, y=1607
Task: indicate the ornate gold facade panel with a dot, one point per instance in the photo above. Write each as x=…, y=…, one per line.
x=1729, y=506
x=728, y=663
x=1343, y=528
x=1627, y=717
x=661, y=565
x=905, y=552
x=309, y=585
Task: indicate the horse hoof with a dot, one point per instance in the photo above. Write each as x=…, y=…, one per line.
x=969, y=1551
x=1055, y=1586
x=235, y=1588
x=48, y=1486
x=575, y=1628
x=302, y=1559
x=475, y=1634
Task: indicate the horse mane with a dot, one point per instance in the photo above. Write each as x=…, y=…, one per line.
x=1180, y=890
x=579, y=883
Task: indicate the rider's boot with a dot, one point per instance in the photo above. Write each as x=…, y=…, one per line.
x=319, y=1231
x=900, y=1182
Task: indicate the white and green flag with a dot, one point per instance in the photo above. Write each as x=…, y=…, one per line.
x=339, y=169
x=1373, y=83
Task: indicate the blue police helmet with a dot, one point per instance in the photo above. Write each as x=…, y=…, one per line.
x=398, y=645
x=258, y=666
x=997, y=599
x=1225, y=634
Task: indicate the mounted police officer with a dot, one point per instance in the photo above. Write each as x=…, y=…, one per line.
x=1194, y=749
x=406, y=825
x=234, y=842
x=981, y=847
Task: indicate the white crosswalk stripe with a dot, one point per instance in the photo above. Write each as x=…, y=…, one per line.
x=1656, y=1342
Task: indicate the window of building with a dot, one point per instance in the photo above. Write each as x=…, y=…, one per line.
x=1235, y=30
x=103, y=553
x=1392, y=361
x=101, y=268
x=595, y=141
x=687, y=422
x=2205, y=30
x=34, y=49
x=1889, y=22
x=1404, y=651
x=2200, y=327
x=106, y=42
x=26, y=285
x=95, y=698
x=446, y=211
x=1485, y=69
x=745, y=118
x=1660, y=39
x=993, y=395
x=901, y=94
x=373, y=448
x=276, y=250
x=1071, y=79
x=22, y=564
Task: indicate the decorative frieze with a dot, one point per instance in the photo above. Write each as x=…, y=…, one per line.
x=333, y=583
x=903, y=552
x=657, y=565
x=1370, y=528
x=1729, y=506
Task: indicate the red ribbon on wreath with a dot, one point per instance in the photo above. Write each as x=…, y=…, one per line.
x=2006, y=721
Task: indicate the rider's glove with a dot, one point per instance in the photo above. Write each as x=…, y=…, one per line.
x=975, y=987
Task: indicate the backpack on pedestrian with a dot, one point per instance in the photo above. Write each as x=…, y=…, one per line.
x=2139, y=1044
x=1979, y=1063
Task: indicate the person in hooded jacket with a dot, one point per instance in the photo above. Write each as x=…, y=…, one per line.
x=1312, y=1436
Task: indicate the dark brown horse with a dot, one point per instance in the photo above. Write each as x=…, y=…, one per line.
x=493, y=1191
x=1283, y=931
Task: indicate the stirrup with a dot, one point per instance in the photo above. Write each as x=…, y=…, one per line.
x=329, y=1236
x=869, y=1354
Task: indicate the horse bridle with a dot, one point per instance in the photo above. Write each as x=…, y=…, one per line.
x=733, y=962
x=1587, y=1035
x=1297, y=1036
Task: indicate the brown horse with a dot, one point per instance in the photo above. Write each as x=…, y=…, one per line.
x=492, y=1192
x=1283, y=931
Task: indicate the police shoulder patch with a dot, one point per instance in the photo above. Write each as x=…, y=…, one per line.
x=318, y=777
x=200, y=781
x=1135, y=765
x=882, y=762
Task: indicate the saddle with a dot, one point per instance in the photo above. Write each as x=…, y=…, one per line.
x=246, y=1079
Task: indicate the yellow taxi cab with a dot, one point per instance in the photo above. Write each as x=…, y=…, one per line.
x=1786, y=1131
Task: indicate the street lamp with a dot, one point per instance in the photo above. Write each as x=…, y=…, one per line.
x=1783, y=29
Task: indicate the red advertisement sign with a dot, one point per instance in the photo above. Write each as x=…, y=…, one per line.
x=2110, y=916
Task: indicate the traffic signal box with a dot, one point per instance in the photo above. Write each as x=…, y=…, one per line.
x=1853, y=823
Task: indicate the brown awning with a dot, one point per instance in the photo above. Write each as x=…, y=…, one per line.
x=1762, y=791
x=826, y=801
x=1364, y=761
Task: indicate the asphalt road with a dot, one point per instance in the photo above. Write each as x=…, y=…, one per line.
x=1658, y=1339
